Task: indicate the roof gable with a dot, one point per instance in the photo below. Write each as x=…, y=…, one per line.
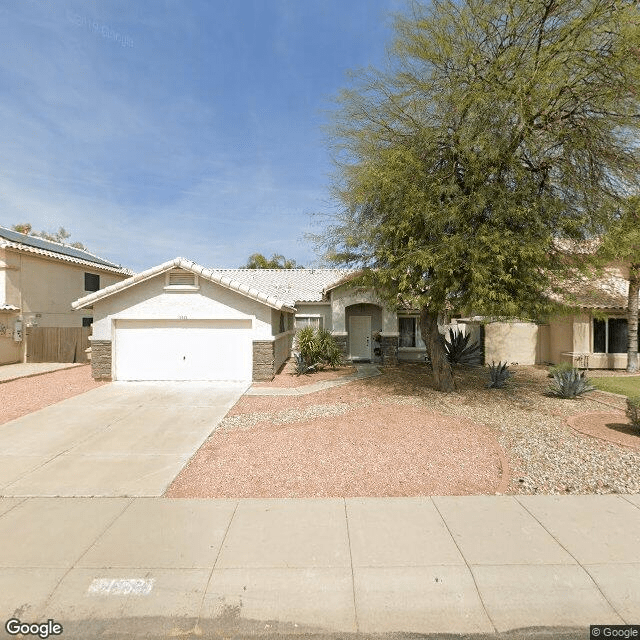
x=213, y=275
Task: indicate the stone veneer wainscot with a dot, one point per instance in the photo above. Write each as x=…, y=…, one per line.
x=101, y=359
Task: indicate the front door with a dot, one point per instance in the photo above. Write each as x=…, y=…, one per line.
x=360, y=337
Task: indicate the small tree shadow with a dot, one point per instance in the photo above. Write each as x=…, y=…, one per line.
x=625, y=428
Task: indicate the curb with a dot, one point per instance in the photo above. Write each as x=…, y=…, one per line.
x=571, y=420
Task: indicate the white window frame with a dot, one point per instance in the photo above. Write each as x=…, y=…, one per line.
x=309, y=316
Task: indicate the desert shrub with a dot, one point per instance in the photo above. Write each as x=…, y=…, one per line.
x=318, y=348
x=559, y=368
x=302, y=366
x=459, y=350
x=569, y=384
x=633, y=410
x=328, y=349
x=498, y=375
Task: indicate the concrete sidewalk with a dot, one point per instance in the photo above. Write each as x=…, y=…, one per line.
x=486, y=566
x=10, y=372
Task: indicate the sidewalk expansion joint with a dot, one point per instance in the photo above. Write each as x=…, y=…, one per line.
x=597, y=586
x=84, y=553
x=353, y=578
x=473, y=577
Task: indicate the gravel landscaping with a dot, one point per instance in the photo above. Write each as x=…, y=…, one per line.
x=26, y=395
x=395, y=435
x=287, y=378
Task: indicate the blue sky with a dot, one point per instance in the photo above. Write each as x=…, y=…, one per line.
x=156, y=129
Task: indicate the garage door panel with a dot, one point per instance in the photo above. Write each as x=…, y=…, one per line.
x=183, y=350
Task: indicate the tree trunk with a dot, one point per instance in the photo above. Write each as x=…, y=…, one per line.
x=632, y=317
x=442, y=374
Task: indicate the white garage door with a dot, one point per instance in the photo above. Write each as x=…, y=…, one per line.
x=183, y=350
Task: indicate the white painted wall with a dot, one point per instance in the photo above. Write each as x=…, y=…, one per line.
x=150, y=300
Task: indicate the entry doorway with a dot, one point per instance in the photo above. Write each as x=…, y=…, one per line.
x=360, y=337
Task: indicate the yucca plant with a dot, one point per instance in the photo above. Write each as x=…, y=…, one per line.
x=328, y=349
x=633, y=410
x=459, y=350
x=498, y=375
x=318, y=347
x=570, y=384
x=302, y=366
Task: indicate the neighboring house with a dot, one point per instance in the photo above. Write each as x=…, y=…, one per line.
x=39, y=280
x=593, y=337
x=182, y=321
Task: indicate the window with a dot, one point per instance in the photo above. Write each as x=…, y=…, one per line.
x=610, y=336
x=87, y=322
x=306, y=321
x=91, y=282
x=407, y=329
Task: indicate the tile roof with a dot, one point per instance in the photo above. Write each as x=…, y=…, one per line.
x=290, y=285
x=607, y=292
x=9, y=307
x=221, y=277
x=10, y=239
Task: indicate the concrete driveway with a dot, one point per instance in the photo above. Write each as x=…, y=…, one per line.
x=123, y=439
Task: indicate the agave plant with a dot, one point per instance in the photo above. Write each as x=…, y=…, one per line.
x=459, y=351
x=498, y=375
x=569, y=384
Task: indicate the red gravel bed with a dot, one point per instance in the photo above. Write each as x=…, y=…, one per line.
x=26, y=395
x=287, y=379
x=612, y=427
x=378, y=450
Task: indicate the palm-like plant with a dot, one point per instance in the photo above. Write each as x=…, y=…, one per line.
x=460, y=350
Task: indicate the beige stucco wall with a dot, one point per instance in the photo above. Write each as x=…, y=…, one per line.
x=47, y=287
x=513, y=342
x=282, y=348
x=10, y=351
x=560, y=338
x=342, y=298
x=275, y=321
x=323, y=310
x=150, y=300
